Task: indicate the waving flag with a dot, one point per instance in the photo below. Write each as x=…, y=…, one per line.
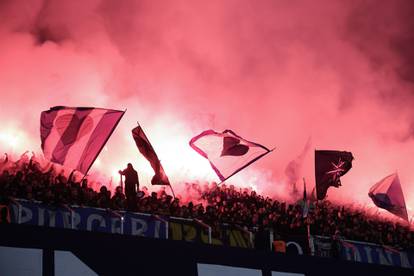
x=74, y=136
x=146, y=149
x=387, y=194
x=227, y=152
x=330, y=165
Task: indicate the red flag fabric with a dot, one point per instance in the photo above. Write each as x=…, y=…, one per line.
x=227, y=152
x=330, y=165
x=146, y=149
x=74, y=136
x=387, y=194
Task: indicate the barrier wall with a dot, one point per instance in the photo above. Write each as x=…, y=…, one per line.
x=190, y=230
x=109, y=254
x=128, y=223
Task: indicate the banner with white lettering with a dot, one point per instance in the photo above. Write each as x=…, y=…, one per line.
x=362, y=252
x=376, y=254
x=144, y=225
x=88, y=219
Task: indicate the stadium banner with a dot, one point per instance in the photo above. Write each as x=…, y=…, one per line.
x=33, y=213
x=376, y=254
x=188, y=230
x=292, y=245
x=363, y=252
x=97, y=220
x=144, y=225
x=322, y=246
x=236, y=237
x=88, y=219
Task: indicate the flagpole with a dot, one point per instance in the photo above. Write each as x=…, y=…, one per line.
x=103, y=145
x=172, y=190
x=305, y=205
x=248, y=164
x=83, y=177
x=309, y=236
x=121, y=183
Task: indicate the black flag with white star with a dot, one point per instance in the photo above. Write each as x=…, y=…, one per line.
x=330, y=165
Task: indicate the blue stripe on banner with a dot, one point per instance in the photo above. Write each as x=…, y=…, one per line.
x=87, y=219
x=70, y=135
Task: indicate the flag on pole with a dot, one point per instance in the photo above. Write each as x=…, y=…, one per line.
x=146, y=149
x=294, y=167
x=330, y=165
x=387, y=194
x=227, y=152
x=312, y=197
x=74, y=136
x=305, y=210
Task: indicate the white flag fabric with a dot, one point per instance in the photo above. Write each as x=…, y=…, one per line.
x=74, y=136
x=387, y=194
x=227, y=152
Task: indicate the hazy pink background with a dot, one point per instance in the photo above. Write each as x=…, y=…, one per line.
x=339, y=73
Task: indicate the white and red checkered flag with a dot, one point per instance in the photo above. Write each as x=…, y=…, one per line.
x=74, y=136
x=227, y=152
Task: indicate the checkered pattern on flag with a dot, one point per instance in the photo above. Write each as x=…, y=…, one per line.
x=227, y=152
x=74, y=136
x=387, y=194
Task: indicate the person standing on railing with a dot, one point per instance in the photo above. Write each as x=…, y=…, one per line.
x=131, y=184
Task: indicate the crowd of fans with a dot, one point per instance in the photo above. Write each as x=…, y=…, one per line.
x=210, y=203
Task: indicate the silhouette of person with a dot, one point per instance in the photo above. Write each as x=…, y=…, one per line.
x=131, y=182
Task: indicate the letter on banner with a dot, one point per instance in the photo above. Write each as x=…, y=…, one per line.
x=190, y=232
x=27, y=215
x=67, y=219
x=368, y=251
x=52, y=218
x=115, y=229
x=176, y=231
x=141, y=230
x=382, y=258
x=298, y=247
x=92, y=218
x=404, y=260
x=157, y=229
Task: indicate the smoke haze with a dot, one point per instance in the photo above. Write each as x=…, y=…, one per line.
x=275, y=72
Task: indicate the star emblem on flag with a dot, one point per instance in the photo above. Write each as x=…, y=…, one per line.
x=337, y=170
x=330, y=165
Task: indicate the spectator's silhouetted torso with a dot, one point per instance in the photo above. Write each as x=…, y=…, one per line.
x=131, y=181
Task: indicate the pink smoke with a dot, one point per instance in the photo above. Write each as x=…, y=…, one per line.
x=276, y=72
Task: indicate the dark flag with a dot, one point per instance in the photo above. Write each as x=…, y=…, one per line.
x=387, y=194
x=330, y=165
x=74, y=136
x=146, y=149
x=305, y=209
x=227, y=152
